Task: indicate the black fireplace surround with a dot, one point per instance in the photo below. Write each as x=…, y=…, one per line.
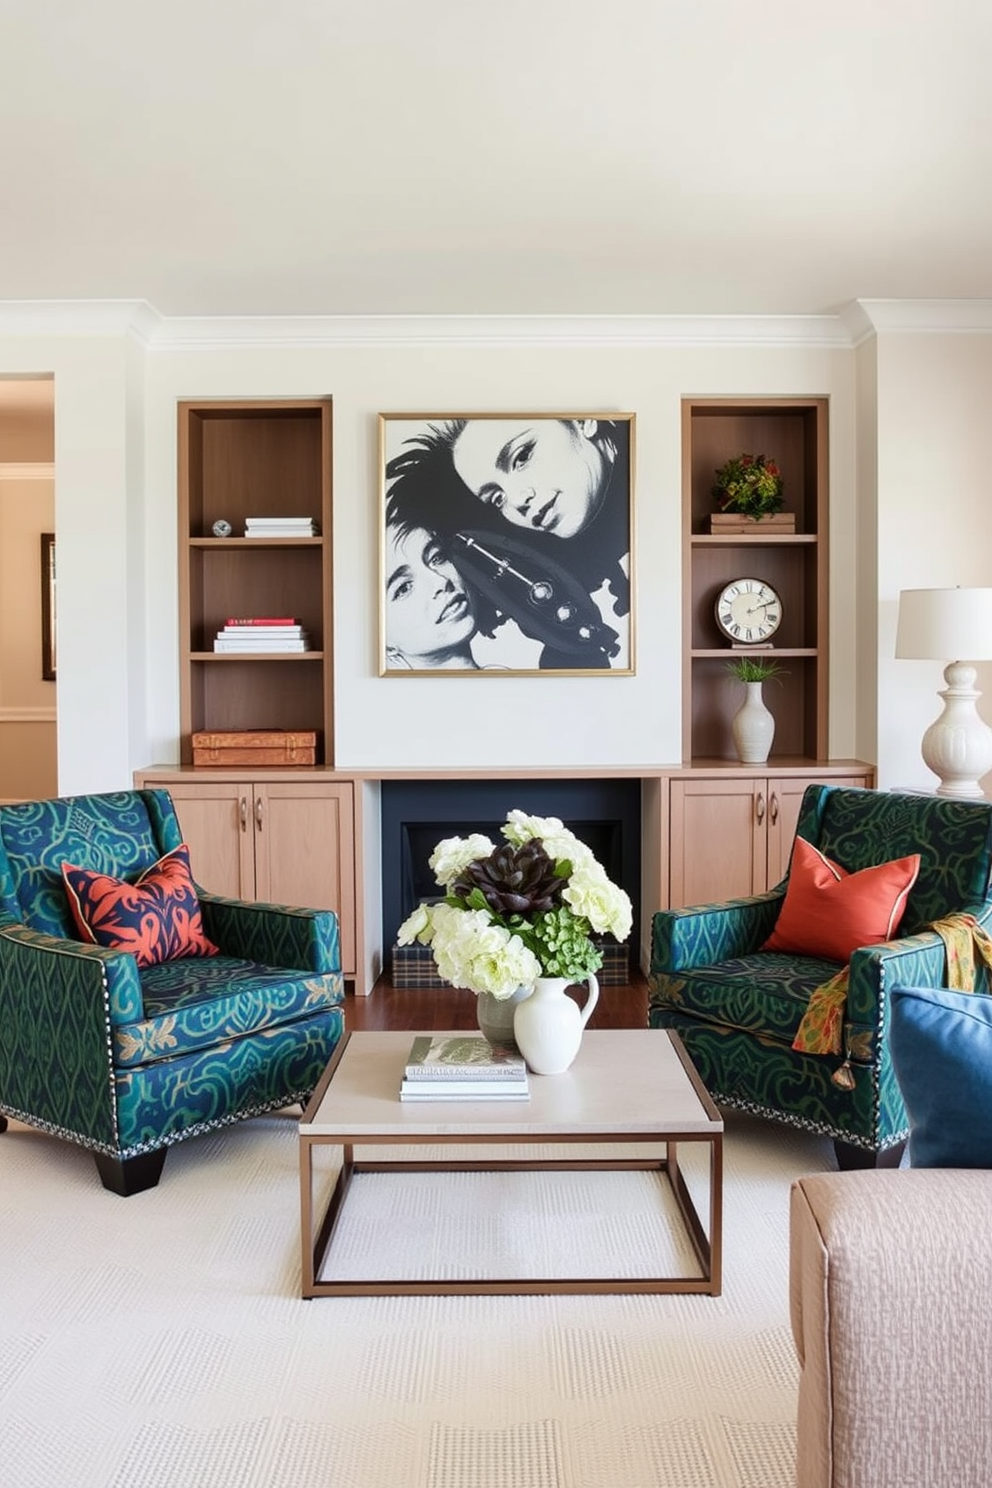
x=417, y=814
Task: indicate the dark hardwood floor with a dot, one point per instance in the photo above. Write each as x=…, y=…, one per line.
x=427, y=1010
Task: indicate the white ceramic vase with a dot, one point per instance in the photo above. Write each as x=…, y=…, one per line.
x=548, y=1024
x=753, y=727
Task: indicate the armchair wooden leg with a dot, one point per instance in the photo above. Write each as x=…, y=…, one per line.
x=130, y=1175
x=851, y=1159
x=3, y=1123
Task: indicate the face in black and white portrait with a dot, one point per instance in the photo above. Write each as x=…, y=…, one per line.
x=535, y=515
x=546, y=475
x=430, y=619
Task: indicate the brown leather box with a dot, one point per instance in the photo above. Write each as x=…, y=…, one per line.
x=258, y=747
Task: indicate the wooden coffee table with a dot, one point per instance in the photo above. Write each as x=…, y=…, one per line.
x=627, y=1087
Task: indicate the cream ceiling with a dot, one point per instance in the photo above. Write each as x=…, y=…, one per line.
x=313, y=157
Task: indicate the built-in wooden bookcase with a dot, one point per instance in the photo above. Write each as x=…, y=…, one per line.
x=793, y=432
x=247, y=458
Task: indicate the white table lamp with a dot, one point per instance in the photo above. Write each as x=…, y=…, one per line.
x=936, y=625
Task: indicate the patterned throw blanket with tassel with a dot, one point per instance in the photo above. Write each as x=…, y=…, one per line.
x=822, y=1028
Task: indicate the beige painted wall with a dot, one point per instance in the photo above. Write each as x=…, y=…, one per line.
x=28, y=754
x=99, y=692
x=934, y=528
x=916, y=481
x=865, y=552
x=27, y=434
x=490, y=720
x=28, y=761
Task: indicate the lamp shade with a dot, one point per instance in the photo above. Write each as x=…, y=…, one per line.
x=945, y=625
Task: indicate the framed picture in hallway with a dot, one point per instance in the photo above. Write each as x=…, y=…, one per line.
x=505, y=543
x=48, y=606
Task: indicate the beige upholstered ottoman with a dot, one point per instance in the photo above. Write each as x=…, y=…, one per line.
x=891, y=1276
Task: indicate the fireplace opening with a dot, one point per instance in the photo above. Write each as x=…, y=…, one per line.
x=417, y=814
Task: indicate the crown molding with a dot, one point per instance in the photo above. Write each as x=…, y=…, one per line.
x=848, y=326
x=215, y=333
x=857, y=323
x=934, y=317
x=79, y=318
x=159, y=333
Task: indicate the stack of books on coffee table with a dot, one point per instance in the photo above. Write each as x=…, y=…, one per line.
x=448, y=1067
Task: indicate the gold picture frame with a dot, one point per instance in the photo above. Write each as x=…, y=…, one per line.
x=506, y=544
x=48, y=606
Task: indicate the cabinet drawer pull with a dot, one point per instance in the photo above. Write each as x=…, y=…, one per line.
x=258, y=813
x=243, y=812
x=760, y=810
x=774, y=808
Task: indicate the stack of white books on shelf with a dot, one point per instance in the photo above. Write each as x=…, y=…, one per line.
x=281, y=527
x=262, y=633
x=462, y=1067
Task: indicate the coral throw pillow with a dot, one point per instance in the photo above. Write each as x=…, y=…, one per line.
x=829, y=912
x=157, y=918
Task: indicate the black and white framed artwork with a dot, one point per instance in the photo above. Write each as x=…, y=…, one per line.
x=506, y=543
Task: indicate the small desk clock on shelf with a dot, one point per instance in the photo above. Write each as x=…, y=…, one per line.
x=222, y=528
x=748, y=611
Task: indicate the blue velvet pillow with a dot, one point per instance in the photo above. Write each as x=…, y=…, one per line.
x=941, y=1044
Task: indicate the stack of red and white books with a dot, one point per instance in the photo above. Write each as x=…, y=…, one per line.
x=256, y=633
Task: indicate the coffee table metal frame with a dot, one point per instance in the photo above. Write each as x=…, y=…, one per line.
x=318, y=1232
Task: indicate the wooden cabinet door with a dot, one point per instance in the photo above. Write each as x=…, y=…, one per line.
x=717, y=841
x=215, y=818
x=304, y=851
x=785, y=796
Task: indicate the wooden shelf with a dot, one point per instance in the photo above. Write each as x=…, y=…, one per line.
x=254, y=458
x=793, y=432
x=742, y=540
x=226, y=658
x=776, y=654
x=256, y=542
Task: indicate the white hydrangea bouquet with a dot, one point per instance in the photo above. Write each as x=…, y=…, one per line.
x=513, y=913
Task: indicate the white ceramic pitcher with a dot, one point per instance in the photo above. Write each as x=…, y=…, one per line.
x=548, y=1024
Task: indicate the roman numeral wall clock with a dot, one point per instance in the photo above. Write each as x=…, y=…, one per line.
x=748, y=611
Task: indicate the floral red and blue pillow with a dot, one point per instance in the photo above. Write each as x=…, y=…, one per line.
x=157, y=918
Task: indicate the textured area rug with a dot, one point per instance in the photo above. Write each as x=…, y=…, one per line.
x=161, y=1342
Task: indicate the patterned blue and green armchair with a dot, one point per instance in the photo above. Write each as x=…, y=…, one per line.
x=738, y=1008
x=126, y=1058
